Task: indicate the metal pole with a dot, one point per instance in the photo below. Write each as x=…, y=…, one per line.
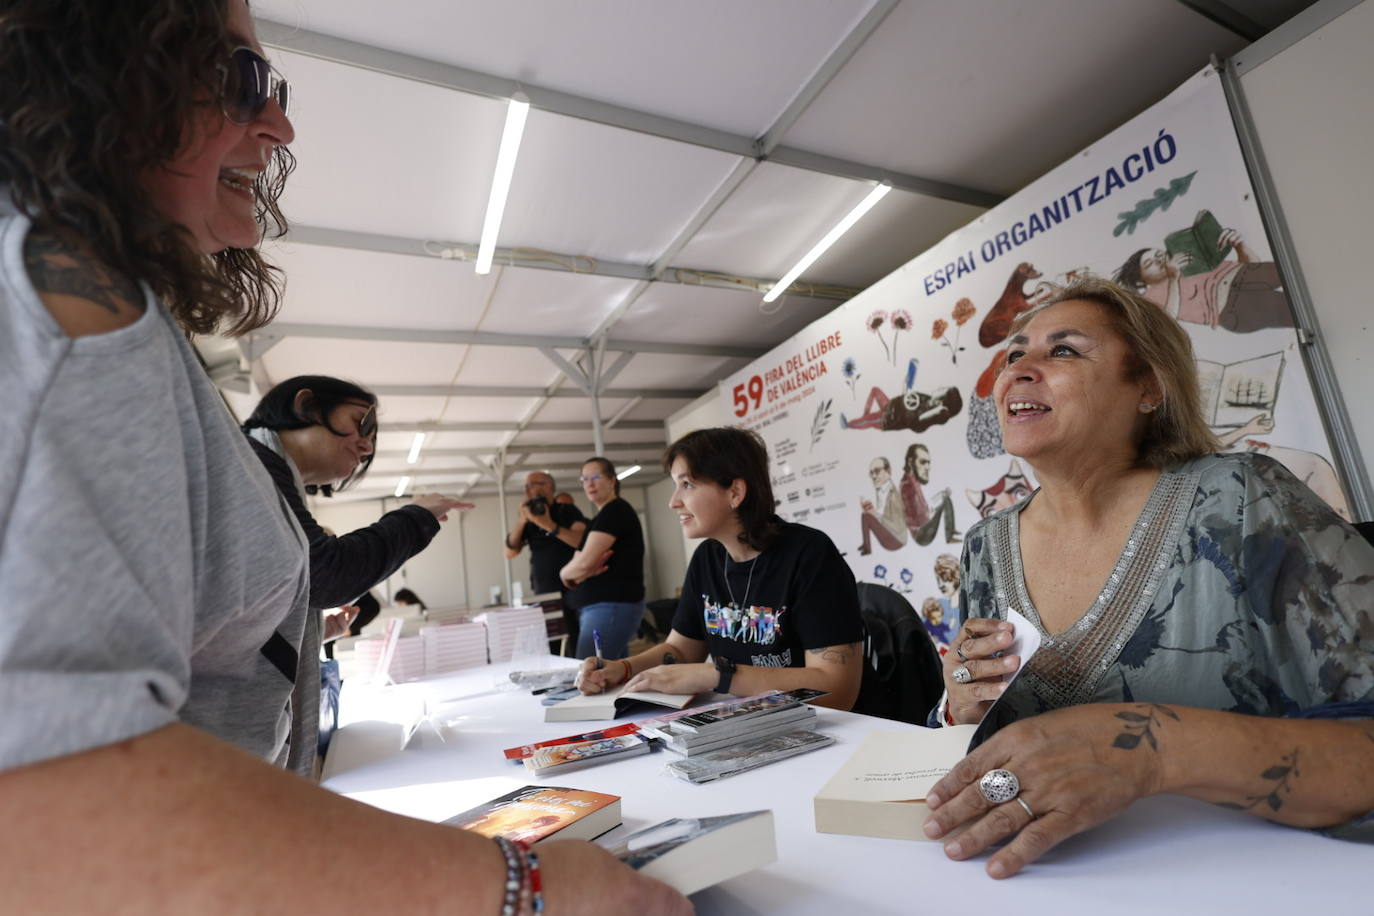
x=596, y=356
x=505, y=515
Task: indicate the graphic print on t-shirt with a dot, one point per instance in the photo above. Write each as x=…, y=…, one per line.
x=759, y=625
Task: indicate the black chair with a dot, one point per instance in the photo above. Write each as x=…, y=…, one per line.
x=658, y=619
x=902, y=678
x=1367, y=529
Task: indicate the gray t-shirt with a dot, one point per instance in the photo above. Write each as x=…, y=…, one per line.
x=149, y=569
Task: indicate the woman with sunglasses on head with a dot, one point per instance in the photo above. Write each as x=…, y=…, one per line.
x=317, y=434
x=157, y=646
x=606, y=574
x=773, y=603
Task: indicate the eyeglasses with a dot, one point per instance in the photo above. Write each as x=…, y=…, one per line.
x=367, y=426
x=588, y=478
x=250, y=82
x=874, y=472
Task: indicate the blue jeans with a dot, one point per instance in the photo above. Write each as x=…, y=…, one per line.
x=616, y=621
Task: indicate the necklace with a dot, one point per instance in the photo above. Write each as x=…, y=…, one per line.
x=748, y=582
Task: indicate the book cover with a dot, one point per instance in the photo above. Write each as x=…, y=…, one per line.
x=565, y=757
x=1200, y=242
x=692, y=853
x=691, y=745
x=880, y=790
x=744, y=709
x=537, y=813
x=748, y=755
x=526, y=750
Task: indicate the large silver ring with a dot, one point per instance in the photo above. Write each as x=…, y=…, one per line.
x=961, y=675
x=959, y=651
x=999, y=786
x=1022, y=802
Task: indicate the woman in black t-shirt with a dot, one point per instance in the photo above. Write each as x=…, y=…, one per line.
x=773, y=603
x=606, y=574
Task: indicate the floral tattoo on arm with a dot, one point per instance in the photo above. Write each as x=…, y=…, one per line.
x=1141, y=725
x=1281, y=775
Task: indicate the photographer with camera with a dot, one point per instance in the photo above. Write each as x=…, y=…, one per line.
x=553, y=530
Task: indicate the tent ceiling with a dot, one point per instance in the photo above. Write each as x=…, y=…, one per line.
x=678, y=159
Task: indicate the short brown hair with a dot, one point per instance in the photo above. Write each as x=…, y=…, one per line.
x=1177, y=431
x=722, y=455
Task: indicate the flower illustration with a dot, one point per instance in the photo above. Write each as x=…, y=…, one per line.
x=906, y=576
x=938, y=329
x=850, y=371
x=901, y=321
x=875, y=324
x=964, y=309
x=880, y=571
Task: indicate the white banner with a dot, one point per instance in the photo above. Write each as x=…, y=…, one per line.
x=878, y=417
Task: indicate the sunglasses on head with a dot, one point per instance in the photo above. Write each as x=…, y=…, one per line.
x=250, y=82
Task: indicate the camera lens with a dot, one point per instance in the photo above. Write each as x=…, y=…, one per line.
x=538, y=506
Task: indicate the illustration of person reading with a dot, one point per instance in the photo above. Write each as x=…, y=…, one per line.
x=937, y=623
x=1192, y=280
x=914, y=410
x=920, y=520
x=882, y=518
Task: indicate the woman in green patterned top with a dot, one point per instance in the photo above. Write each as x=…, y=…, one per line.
x=1206, y=620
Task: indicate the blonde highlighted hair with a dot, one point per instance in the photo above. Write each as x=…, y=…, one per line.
x=1176, y=431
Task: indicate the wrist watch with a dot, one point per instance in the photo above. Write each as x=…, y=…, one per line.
x=726, y=667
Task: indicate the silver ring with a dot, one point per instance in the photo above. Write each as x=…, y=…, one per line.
x=999, y=786
x=961, y=675
x=959, y=651
x=1022, y=802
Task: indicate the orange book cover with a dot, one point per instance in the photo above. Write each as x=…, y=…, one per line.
x=534, y=813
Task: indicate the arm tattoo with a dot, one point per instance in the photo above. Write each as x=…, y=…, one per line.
x=835, y=655
x=1141, y=725
x=60, y=270
x=668, y=658
x=1281, y=775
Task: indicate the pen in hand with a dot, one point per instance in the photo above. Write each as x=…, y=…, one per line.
x=596, y=641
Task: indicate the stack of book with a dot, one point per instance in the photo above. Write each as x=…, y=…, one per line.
x=574, y=752
x=504, y=626
x=407, y=664
x=723, y=725
x=453, y=647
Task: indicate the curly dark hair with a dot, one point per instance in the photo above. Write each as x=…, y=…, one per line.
x=722, y=455
x=93, y=94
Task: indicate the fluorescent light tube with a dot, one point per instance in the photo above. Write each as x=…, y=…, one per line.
x=402, y=485
x=516, y=113
x=831, y=237
x=415, y=447
x=627, y=472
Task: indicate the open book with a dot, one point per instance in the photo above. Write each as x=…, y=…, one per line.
x=1233, y=394
x=1199, y=242
x=881, y=790
x=608, y=705
x=692, y=853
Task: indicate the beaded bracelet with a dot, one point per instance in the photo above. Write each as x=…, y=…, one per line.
x=536, y=882
x=629, y=669
x=515, y=876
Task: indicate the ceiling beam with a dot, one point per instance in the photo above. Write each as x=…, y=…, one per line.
x=406, y=66
x=490, y=339
x=551, y=260
x=517, y=391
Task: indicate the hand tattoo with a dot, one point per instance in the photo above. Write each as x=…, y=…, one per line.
x=1281, y=775
x=1129, y=739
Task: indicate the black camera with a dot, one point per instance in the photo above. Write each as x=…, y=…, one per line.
x=538, y=506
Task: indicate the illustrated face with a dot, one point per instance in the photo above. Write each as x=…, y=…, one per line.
x=921, y=465
x=703, y=506
x=878, y=472
x=209, y=187
x=1065, y=392
x=1153, y=267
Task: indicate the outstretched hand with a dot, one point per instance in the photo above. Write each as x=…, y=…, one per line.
x=441, y=505
x=336, y=623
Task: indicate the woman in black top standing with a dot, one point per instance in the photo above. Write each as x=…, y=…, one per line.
x=772, y=602
x=606, y=574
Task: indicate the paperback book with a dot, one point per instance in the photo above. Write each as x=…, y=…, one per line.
x=536, y=813
x=741, y=711
x=598, y=706
x=564, y=758
x=517, y=754
x=881, y=789
x=690, y=743
x=748, y=755
x=692, y=853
